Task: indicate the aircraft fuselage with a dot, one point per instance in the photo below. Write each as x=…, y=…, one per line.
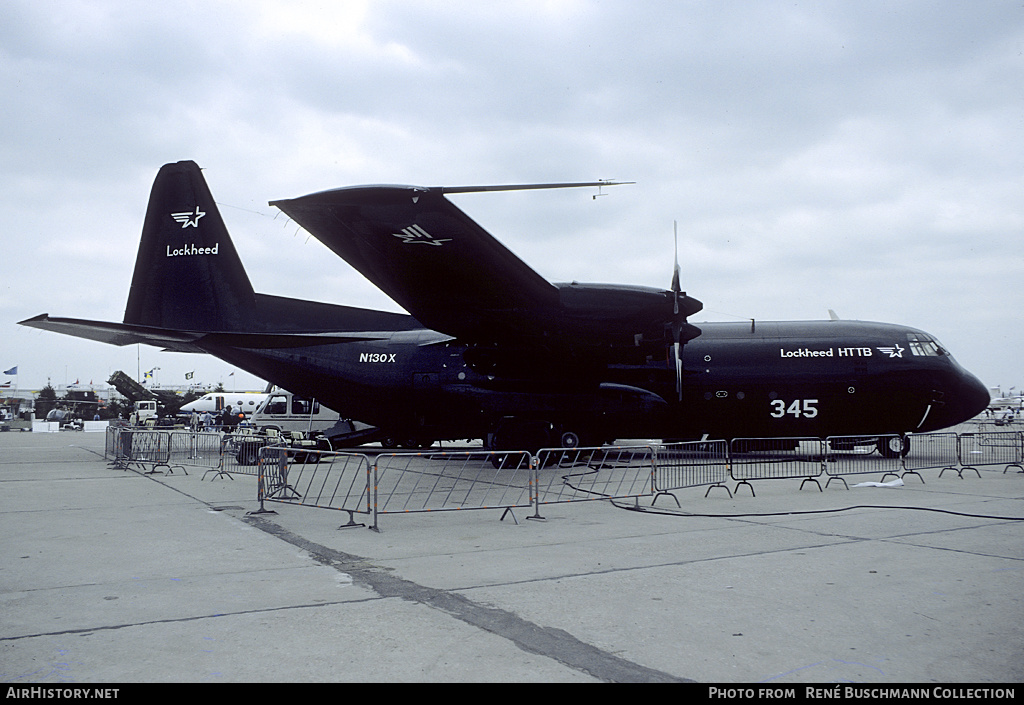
x=750, y=380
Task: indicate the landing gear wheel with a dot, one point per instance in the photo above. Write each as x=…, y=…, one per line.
x=893, y=446
x=570, y=440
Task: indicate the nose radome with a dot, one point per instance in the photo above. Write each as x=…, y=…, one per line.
x=976, y=396
x=969, y=398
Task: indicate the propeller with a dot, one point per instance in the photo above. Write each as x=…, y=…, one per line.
x=680, y=312
x=676, y=323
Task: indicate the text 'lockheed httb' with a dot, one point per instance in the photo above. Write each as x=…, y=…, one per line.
x=494, y=351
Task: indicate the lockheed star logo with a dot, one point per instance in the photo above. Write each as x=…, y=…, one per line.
x=415, y=234
x=186, y=219
x=894, y=351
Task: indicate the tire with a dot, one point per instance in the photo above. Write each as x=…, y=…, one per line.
x=569, y=439
x=893, y=446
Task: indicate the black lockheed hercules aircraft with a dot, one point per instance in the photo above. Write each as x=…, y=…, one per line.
x=497, y=352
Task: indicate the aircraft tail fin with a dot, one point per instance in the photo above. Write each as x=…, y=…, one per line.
x=188, y=275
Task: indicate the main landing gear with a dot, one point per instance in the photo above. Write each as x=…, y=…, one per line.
x=520, y=434
x=391, y=442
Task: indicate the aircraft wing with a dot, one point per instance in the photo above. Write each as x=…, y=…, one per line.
x=188, y=341
x=429, y=257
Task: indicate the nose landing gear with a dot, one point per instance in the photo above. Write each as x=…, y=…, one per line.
x=893, y=446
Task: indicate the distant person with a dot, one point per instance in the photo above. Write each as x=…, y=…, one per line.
x=207, y=421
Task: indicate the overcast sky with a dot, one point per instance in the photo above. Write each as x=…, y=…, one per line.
x=866, y=157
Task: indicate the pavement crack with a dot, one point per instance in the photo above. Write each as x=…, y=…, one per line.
x=194, y=618
x=549, y=642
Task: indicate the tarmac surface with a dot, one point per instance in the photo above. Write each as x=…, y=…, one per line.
x=114, y=576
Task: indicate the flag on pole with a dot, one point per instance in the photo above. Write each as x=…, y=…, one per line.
x=12, y=371
x=188, y=375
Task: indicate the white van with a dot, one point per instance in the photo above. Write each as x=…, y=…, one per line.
x=145, y=409
x=284, y=411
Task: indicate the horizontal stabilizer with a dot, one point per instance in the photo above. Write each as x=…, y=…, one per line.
x=189, y=341
x=116, y=333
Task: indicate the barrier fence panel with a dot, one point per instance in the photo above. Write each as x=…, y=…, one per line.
x=142, y=447
x=439, y=481
x=690, y=464
x=775, y=459
x=990, y=448
x=192, y=449
x=579, y=474
x=856, y=455
x=313, y=478
x=113, y=448
x=240, y=452
x=932, y=450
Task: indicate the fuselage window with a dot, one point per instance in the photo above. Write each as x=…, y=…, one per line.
x=304, y=407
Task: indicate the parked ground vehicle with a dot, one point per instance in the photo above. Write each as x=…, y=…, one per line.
x=144, y=409
x=284, y=411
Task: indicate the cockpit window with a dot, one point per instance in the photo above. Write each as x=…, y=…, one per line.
x=277, y=405
x=921, y=344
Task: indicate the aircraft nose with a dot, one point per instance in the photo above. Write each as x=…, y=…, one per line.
x=968, y=398
x=976, y=395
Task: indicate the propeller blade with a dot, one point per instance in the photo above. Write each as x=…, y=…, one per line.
x=679, y=369
x=676, y=288
x=677, y=325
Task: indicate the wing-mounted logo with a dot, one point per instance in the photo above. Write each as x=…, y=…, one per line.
x=188, y=218
x=414, y=234
x=894, y=351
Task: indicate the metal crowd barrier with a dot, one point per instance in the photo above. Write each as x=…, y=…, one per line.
x=240, y=452
x=112, y=448
x=194, y=449
x=990, y=448
x=582, y=474
x=678, y=466
x=442, y=481
x=125, y=446
x=856, y=455
x=315, y=478
x=932, y=450
x=775, y=459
